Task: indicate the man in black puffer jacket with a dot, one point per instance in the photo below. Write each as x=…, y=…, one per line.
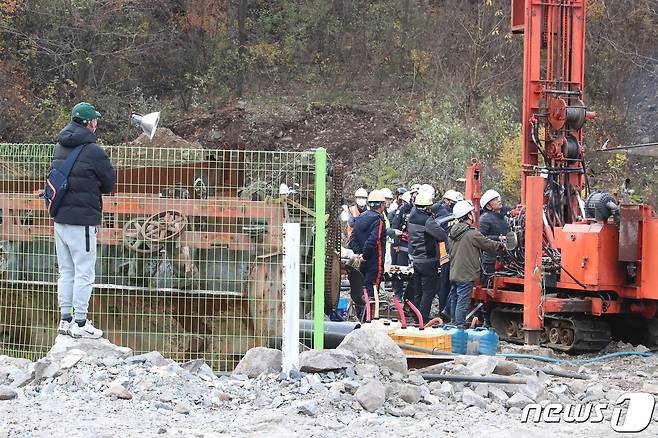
x=424, y=236
x=78, y=218
x=493, y=225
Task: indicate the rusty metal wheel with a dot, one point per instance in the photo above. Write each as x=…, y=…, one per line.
x=554, y=335
x=164, y=226
x=543, y=336
x=519, y=330
x=510, y=329
x=567, y=336
x=133, y=237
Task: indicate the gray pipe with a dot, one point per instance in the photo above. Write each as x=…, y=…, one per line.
x=432, y=351
x=483, y=379
x=566, y=373
x=334, y=333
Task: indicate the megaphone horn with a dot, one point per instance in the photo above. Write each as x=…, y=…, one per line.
x=149, y=122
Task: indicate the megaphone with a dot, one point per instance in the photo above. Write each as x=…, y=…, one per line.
x=149, y=122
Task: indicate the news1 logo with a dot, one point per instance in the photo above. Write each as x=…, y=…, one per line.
x=638, y=413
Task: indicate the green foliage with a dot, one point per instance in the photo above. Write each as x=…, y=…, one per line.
x=509, y=159
x=443, y=146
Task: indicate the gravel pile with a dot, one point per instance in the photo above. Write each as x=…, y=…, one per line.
x=94, y=388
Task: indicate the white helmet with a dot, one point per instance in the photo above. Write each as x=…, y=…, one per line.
x=488, y=196
x=423, y=199
x=415, y=188
x=406, y=197
x=462, y=208
x=453, y=195
x=376, y=196
x=427, y=189
x=388, y=194
x=361, y=193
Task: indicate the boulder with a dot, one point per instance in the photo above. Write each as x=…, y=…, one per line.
x=21, y=379
x=153, y=357
x=505, y=368
x=411, y=394
x=371, y=396
x=470, y=398
x=482, y=389
x=445, y=389
x=366, y=370
x=7, y=393
x=532, y=389
x=198, y=367
x=72, y=358
x=316, y=361
x=259, y=360
x=120, y=392
x=46, y=368
x=482, y=365
x=14, y=361
x=518, y=400
x=310, y=408
x=375, y=347
x=498, y=395
x=100, y=348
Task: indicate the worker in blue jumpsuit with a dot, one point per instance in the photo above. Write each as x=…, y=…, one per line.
x=369, y=240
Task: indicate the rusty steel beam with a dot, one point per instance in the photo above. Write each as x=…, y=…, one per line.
x=226, y=208
x=113, y=236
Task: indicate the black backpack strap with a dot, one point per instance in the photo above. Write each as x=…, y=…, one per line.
x=71, y=159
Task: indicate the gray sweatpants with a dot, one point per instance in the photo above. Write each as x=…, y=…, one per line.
x=76, y=258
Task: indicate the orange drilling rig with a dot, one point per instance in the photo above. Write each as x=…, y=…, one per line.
x=585, y=265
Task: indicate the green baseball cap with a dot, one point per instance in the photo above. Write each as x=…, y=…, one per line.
x=85, y=111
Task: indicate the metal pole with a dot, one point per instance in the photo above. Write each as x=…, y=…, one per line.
x=320, y=247
x=484, y=379
x=290, y=347
x=534, y=234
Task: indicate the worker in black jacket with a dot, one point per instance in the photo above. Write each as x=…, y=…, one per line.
x=78, y=218
x=424, y=236
x=443, y=213
x=369, y=240
x=494, y=226
x=400, y=246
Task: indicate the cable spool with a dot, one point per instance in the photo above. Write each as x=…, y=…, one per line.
x=576, y=115
x=571, y=148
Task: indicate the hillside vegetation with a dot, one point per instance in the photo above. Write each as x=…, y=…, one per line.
x=406, y=89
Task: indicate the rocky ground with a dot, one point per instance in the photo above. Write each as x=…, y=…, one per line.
x=93, y=388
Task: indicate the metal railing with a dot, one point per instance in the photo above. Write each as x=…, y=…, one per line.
x=189, y=251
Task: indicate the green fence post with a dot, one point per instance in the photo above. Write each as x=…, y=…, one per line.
x=319, y=256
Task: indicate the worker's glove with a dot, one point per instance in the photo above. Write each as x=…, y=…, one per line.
x=398, y=233
x=346, y=253
x=355, y=261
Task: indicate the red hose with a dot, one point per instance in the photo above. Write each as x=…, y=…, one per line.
x=417, y=312
x=403, y=320
x=365, y=295
x=433, y=321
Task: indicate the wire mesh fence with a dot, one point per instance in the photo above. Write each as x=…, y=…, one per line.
x=189, y=250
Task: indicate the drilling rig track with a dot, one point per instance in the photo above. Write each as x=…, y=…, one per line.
x=561, y=331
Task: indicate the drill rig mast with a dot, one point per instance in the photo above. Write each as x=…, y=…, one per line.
x=582, y=257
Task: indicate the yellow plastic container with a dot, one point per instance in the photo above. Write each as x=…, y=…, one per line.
x=431, y=338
